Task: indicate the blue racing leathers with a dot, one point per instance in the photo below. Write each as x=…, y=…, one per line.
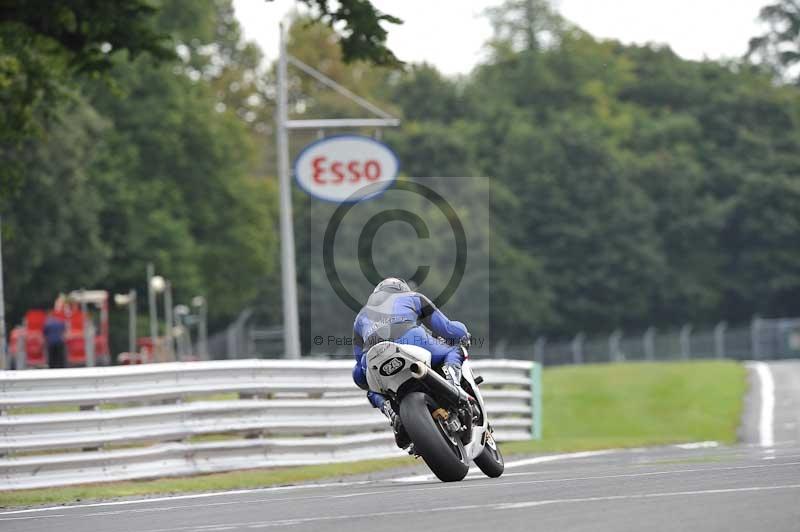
x=404, y=318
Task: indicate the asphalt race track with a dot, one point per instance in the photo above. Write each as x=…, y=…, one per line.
x=702, y=486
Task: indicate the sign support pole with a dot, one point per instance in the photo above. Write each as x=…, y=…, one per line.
x=291, y=320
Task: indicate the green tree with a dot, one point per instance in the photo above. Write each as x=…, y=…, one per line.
x=362, y=36
x=424, y=94
x=147, y=168
x=46, y=45
x=524, y=25
x=432, y=149
x=762, y=231
x=43, y=44
x=51, y=233
x=179, y=188
x=779, y=48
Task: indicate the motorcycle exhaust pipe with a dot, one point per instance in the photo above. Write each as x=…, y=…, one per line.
x=438, y=385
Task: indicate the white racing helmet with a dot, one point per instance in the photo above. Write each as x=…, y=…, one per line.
x=392, y=284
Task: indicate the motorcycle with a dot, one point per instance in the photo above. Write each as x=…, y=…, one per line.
x=448, y=426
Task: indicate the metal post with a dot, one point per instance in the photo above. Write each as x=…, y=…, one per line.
x=85, y=331
x=577, y=348
x=201, y=304
x=88, y=332
x=131, y=321
x=719, y=339
x=185, y=341
x=183, y=337
x=90, y=336
x=649, y=341
x=230, y=342
x=21, y=355
x=3, y=352
x=103, y=324
x=755, y=345
x=686, y=341
x=536, y=401
x=538, y=349
x=168, y=317
x=151, y=303
x=614, y=352
x=291, y=321
x=203, y=333
x=500, y=350
x=778, y=336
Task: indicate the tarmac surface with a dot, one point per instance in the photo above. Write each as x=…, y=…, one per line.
x=698, y=486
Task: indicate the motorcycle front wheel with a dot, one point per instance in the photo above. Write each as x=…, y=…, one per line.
x=490, y=461
x=445, y=455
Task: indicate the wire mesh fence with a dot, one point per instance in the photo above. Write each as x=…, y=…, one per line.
x=760, y=339
x=773, y=338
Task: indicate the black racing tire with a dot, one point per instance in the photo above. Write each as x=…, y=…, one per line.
x=490, y=461
x=429, y=441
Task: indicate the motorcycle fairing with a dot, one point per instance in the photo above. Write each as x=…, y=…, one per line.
x=388, y=365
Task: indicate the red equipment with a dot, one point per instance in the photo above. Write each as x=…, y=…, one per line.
x=76, y=311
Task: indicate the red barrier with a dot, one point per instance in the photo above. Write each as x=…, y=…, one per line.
x=34, y=338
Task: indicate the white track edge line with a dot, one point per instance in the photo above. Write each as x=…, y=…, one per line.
x=518, y=463
x=184, y=497
x=766, y=433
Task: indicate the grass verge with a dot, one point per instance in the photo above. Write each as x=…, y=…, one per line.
x=585, y=408
x=638, y=404
x=213, y=482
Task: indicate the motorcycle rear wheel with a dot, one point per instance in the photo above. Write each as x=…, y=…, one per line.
x=446, y=458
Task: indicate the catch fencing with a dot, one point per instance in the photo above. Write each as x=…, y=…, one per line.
x=773, y=338
x=70, y=426
x=762, y=338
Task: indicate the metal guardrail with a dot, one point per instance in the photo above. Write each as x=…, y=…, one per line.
x=156, y=420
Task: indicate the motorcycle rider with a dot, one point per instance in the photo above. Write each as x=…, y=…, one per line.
x=396, y=313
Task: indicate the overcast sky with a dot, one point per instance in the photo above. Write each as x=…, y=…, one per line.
x=451, y=33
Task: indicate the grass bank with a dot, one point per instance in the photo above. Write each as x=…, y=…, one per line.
x=253, y=478
x=639, y=404
x=585, y=408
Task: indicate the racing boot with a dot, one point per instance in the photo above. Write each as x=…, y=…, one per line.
x=400, y=435
x=452, y=373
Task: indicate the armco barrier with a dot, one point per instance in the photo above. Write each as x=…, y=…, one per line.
x=155, y=420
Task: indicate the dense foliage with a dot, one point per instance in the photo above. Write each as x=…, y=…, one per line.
x=133, y=157
x=129, y=133
x=628, y=186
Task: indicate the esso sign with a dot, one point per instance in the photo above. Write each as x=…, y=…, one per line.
x=346, y=168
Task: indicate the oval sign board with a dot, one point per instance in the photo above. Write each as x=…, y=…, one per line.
x=346, y=168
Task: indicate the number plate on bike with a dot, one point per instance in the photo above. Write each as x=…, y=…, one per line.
x=392, y=366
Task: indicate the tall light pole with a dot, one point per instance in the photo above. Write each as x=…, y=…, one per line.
x=183, y=338
x=156, y=285
x=200, y=303
x=291, y=320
